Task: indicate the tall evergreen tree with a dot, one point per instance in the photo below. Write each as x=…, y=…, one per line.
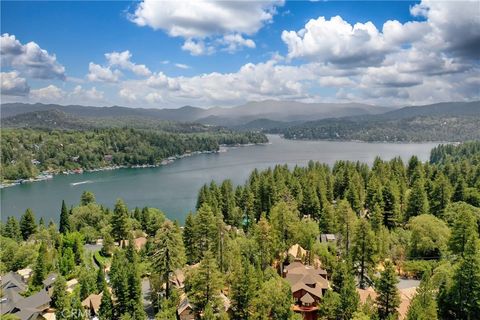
x=463, y=229
x=263, y=237
x=273, y=301
x=12, y=229
x=205, y=232
x=119, y=281
x=418, y=200
x=204, y=283
x=86, y=198
x=243, y=291
x=100, y=280
x=347, y=220
x=188, y=238
x=169, y=253
x=64, y=219
x=27, y=224
x=284, y=218
x=388, y=298
x=106, y=311
x=391, y=205
x=76, y=309
x=423, y=305
x=464, y=295
x=349, y=298
x=440, y=195
x=460, y=191
x=363, y=251
x=120, y=221
x=59, y=299
x=40, y=269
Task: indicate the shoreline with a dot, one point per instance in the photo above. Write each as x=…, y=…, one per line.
x=48, y=175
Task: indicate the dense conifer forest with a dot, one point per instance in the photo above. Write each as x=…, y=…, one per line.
x=391, y=221
x=27, y=152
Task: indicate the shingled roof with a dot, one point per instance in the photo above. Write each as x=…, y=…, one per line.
x=306, y=278
x=13, y=281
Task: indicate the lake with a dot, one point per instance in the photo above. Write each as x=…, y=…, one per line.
x=173, y=188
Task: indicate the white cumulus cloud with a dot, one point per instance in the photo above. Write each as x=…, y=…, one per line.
x=29, y=59
x=13, y=85
x=50, y=93
x=122, y=60
x=202, y=19
x=102, y=74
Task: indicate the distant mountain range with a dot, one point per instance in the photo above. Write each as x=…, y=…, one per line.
x=449, y=121
x=285, y=111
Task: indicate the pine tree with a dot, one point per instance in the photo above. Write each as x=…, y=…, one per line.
x=440, y=195
x=205, y=232
x=87, y=198
x=107, y=246
x=263, y=237
x=388, y=298
x=100, y=281
x=27, y=224
x=464, y=228
x=119, y=281
x=460, y=191
x=349, y=298
x=59, y=299
x=417, y=201
x=204, y=283
x=106, y=310
x=67, y=261
x=76, y=309
x=347, y=220
x=423, y=305
x=40, y=269
x=374, y=193
x=64, y=219
x=120, y=221
x=228, y=202
x=243, y=290
x=464, y=294
x=188, y=238
x=328, y=309
x=391, y=205
x=274, y=300
x=169, y=253
x=12, y=229
x=134, y=293
x=328, y=219
x=363, y=251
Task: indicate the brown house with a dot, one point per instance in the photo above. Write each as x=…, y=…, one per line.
x=308, y=285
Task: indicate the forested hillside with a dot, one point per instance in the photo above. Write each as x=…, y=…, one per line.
x=439, y=122
x=26, y=152
x=56, y=119
x=233, y=257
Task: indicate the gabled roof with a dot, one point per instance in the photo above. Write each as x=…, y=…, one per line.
x=306, y=278
x=8, y=301
x=93, y=301
x=12, y=280
x=37, y=301
x=50, y=279
x=184, y=305
x=307, y=298
x=27, y=314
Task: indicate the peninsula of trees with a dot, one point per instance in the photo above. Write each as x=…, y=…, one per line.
x=27, y=152
x=233, y=257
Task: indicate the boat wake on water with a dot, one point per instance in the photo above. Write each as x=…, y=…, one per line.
x=81, y=182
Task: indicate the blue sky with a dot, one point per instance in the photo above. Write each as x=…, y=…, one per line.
x=246, y=44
